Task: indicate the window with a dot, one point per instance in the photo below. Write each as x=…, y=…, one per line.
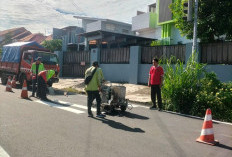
x=47, y=58
x=125, y=31
x=110, y=27
x=27, y=57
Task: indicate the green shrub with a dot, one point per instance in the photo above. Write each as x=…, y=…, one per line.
x=191, y=90
x=181, y=84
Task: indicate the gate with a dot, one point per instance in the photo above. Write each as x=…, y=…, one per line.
x=75, y=63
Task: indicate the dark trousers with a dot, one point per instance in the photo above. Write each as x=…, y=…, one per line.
x=156, y=91
x=34, y=82
x=91, y=96
x=41, y=88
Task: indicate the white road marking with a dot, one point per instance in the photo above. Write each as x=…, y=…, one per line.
x=139, y=106
x=60, y=107
x=3, y=153
x=74, y=105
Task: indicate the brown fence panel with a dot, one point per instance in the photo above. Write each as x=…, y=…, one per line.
x=216, y=53
x=75, y=63
x=115, y=56
x=148, y=53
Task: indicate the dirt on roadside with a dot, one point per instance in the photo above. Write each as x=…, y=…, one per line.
x=135, y=93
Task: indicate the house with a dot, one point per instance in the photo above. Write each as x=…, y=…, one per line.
x=106, y=33
x=13, y=35
x=158, y=23
x=68, y=35
x=37, y=37
x=21, y=34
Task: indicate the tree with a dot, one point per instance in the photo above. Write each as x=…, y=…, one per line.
x=214, y=19
x=53, y=45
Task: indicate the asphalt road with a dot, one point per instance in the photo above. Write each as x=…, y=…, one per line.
x=32, y=128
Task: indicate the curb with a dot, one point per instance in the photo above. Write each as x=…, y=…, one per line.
x=195, y=117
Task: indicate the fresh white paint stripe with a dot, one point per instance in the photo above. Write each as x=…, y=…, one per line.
x=207, y=131
x=139, y=106
x=74, y=105
x=208, y=117
x=60, y=107
x=3, y=153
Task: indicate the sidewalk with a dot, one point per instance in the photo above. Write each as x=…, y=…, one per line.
x=135, y=93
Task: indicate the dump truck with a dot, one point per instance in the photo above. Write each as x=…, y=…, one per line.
x=17, y=58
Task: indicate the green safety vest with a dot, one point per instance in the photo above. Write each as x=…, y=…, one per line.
x=33, y=68
x=49, y=74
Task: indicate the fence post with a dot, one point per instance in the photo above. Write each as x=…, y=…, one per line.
x=188, y=51
x=94, y=55
x=60, y=58
x=135, y=59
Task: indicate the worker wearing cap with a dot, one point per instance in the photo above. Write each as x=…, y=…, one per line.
x=43, y=78
x=93, y=88
x=36, y=68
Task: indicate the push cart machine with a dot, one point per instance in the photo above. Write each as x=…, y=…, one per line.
x=113, y=97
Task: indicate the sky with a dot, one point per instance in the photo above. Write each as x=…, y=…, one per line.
x=40, y=16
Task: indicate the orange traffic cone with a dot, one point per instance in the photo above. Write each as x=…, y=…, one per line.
x=24, y=93
x=8, y=85
x=207, y=134
x=13, y=83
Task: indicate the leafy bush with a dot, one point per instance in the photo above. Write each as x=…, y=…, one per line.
x=189, y=89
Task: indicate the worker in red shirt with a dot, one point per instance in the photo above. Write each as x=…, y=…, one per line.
x=43, y=78
x=155, y=81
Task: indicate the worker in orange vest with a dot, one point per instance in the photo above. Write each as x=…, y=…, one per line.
x=43, y=78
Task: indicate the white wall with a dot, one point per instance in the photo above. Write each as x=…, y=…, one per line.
x=140, y=22
x=94, y=26
x=151, y=33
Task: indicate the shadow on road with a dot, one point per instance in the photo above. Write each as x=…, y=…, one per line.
x=224, y=146
x=127, y=115
x=118, y=125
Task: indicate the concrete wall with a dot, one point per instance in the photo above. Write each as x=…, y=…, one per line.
x=151, y=33
x=141, y=22
x=94, y=26
x=224, y=72
x=135, y=72
x=116, y=72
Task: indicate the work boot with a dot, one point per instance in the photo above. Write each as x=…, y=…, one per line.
x=100, y=115
x=90, y=114
x=153, y=107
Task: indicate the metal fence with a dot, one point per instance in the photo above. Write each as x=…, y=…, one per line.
x=216, y=53
x=165, y=52
x=115, y=56
x=75, y=63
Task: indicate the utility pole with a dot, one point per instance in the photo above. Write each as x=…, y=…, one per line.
x=194, y=48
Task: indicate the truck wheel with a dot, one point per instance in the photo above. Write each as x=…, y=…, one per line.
x=4, y=80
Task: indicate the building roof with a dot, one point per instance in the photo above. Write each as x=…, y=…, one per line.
x=11, y=30
x=100, y=19
x=22, y=35
x=38, y=37
x=50, y=37
x=87, y=18
x=94, y=33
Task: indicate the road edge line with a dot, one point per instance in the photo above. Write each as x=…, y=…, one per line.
x=185, y=115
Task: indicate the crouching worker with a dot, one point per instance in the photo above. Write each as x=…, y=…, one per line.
x=43, y=78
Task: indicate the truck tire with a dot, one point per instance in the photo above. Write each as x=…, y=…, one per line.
x=4, y=80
